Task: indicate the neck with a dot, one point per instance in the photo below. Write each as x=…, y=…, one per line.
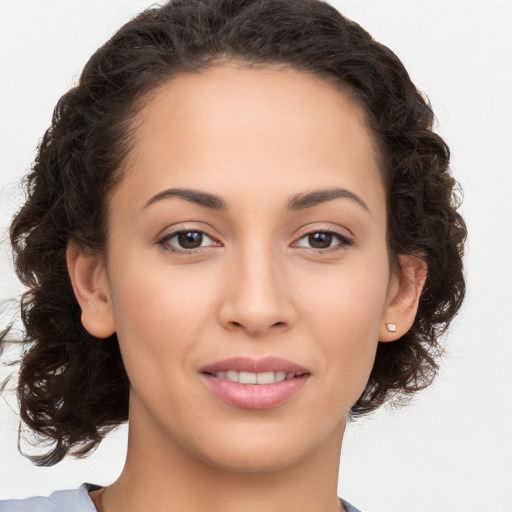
x=160, y=474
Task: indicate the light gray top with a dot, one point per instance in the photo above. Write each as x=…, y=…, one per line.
x=74, y=500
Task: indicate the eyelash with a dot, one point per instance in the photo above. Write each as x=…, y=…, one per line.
x=343, y=240
x=163, y=242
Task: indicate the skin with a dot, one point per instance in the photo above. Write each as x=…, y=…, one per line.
x=256, y=287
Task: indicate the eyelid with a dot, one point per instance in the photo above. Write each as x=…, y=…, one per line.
x=345, y=239
x=325, y=228
x=168, y=234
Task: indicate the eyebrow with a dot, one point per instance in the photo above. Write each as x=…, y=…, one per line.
x=296, y=202
x=316, y=197
x=194, y=196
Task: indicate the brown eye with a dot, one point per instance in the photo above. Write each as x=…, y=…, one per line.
x=320, y=240
x=186, y=241
x=190, y=239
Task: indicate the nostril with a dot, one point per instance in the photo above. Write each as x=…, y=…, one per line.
x=238, y=324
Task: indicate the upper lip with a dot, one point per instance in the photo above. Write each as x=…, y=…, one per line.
x=247, y=364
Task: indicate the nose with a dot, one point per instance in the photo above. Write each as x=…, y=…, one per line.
x=256, y=298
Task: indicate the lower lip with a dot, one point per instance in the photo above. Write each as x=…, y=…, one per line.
x=255, y=396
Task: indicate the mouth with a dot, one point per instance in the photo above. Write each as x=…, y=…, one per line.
x=255, y=384
x=255, y=378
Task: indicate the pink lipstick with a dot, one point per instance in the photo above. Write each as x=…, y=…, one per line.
x=255, y=383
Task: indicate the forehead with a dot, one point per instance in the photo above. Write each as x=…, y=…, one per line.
x=240, y=129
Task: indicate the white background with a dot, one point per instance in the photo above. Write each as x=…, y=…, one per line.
x=451, y=450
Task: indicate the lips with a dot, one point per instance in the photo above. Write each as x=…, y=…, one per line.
x=254, y=383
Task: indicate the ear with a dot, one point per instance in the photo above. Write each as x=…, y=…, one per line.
x=404, y=292
x=90, y=284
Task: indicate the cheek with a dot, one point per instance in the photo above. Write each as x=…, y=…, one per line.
x=159, y=313
x=153, y=297
x=343, y=313
x=347, y=302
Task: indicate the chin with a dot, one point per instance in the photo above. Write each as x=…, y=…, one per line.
x=268, y=448
x=244, y=461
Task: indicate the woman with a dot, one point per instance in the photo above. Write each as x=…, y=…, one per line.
x=239, y=232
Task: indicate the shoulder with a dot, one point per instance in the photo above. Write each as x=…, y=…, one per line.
x=73, y=500
x=346, y=504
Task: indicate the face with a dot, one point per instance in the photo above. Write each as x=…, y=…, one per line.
x=247, y=242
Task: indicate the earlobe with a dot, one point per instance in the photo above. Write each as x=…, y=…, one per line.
x=90, y=285
x=403, y=298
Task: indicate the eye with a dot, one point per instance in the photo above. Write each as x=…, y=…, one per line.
x=323, y=240
x=186, y=240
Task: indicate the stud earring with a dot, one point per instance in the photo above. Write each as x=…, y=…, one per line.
x=391, y=327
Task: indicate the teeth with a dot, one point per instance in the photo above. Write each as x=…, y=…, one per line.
x=254, y=378
x=232, y=375
x=266, y=378
x=247, y=378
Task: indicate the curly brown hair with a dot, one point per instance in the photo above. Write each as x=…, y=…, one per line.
x=73, y=390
